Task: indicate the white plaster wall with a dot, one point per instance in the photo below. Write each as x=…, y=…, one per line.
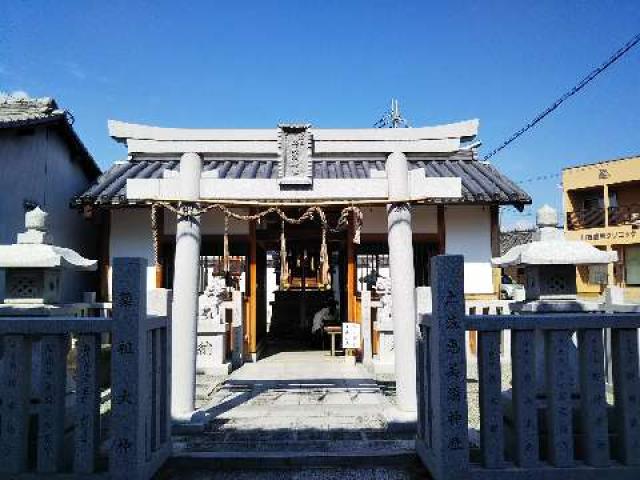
x=131, y=237
x=40, y=168
x=212, y=223
x=468, y=233
x=424, y=219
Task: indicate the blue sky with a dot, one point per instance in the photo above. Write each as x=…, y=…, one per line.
x=337, y=64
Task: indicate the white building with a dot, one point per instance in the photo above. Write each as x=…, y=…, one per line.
x=454, y=196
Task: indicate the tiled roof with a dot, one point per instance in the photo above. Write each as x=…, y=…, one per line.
x=481, y=182
x=20, y=112
x=513, y=238
x=16, y=111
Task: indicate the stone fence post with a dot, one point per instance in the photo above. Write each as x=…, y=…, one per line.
x=130, y=382
x=450, y=446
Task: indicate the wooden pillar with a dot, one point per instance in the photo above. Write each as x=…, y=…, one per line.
x=442, y=231
x=160, y=260
x=495, y=247
x=351, y=274
x=105, y=239
x=253, y=292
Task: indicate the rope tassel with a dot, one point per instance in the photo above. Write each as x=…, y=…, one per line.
x=225, y=246
x=324, y=259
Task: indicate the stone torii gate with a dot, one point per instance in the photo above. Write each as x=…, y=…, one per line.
x=185, y=286
x=397, y=188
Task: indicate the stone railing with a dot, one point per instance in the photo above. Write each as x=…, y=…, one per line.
x=236, y=310
x=581, y=435
x=34, y=439
x=377, y=335
x=220, y=342
x=489, y=307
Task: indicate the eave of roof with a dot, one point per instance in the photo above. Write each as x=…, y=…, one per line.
x=481, y=182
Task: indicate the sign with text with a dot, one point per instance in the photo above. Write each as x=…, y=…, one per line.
x=619, y=235
x=350, y=335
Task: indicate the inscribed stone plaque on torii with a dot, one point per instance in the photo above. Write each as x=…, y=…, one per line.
x=295, y=159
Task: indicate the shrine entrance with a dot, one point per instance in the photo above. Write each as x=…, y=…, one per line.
x=304, y=277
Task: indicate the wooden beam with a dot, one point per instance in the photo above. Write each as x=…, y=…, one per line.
x=104, y=260
x=351, y=274
x=160, y=259
x=495, y=230
x=442, y=230
x=253, y=291
x=495, y=247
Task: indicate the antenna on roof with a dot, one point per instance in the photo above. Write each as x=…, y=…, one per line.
x=393, y=118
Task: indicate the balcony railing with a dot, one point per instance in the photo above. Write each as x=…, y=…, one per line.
x=590, y=218
x=624, y=215
x=594, y=217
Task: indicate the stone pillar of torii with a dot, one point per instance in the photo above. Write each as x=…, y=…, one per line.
x=401, y=269
x=185, y=286
x=185, y=294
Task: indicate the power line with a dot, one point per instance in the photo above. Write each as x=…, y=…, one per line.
x=539, y=178
x=579, y=86
x=601, y=166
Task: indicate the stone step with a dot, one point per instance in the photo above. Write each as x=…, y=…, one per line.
x=396, y=466
x=313, y=445
x=271, y=454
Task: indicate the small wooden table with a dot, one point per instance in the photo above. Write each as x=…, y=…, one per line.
x=333, y=331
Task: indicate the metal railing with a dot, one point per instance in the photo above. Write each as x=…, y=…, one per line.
x=624, y=215
x=589, y=218
x=595, y=217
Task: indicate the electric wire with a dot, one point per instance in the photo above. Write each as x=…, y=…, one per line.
x=579, y=86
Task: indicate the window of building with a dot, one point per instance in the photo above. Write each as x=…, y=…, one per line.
x=632, y=264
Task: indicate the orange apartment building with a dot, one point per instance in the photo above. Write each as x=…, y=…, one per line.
x=602, y=204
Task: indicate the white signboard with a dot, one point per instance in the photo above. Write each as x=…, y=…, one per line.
x=350, y=335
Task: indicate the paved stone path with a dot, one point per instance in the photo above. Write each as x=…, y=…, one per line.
x=297, y=404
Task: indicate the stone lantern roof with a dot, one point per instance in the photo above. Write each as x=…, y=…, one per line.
x=34, y=249
x=549, y=247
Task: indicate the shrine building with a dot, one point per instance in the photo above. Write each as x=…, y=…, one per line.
x=298, y=218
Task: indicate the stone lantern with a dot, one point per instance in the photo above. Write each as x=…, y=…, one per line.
x=549, y=263
x=34, y=269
